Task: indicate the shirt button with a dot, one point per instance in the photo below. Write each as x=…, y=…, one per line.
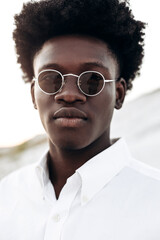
x=56, y=218
x=84, y=199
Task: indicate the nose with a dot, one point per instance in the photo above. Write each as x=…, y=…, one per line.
x=70, y=92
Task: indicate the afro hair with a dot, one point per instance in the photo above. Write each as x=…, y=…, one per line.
x=109, y=20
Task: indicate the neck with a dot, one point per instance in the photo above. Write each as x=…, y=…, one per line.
x=62, y=163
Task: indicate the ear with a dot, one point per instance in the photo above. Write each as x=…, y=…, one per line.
x=32, y=94
x=120, y=93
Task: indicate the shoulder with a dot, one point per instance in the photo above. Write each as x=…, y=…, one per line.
x=141, y=168
x=17, y=183
x=145, y=170
x=17, y=176
x=142, y=180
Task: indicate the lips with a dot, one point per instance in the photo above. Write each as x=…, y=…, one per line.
x=70, y=117
x=69, y=113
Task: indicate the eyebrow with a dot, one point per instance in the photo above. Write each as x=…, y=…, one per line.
x=49, y=66
x=83, y=65
x=95, y=64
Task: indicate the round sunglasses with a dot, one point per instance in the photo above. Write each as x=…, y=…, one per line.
x=90, y=83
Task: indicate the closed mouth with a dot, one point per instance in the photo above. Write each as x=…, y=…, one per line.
x=69, y=113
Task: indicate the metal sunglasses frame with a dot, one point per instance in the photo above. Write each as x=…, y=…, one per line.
x=74, y=75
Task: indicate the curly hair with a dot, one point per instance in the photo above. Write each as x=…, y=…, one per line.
x=109, y=20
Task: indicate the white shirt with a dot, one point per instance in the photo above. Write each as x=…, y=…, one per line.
x=111, y=197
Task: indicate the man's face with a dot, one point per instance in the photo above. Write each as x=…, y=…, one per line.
x=81, y=120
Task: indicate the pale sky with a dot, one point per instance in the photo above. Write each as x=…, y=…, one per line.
x=19, y=121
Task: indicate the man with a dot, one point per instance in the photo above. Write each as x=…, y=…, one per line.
x=80, y=58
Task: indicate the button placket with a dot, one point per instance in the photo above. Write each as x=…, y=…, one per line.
x=60, y=210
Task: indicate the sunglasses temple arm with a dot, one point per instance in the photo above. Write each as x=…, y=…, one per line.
x=111, y=80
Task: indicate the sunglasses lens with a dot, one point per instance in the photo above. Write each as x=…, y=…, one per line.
x=91, y=83
x=50, y=81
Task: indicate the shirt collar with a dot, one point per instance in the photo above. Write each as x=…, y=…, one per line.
x=42, y=170
x=102, y=168
x=96, y=172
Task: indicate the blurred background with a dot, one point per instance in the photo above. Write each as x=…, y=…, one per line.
x=22, y=138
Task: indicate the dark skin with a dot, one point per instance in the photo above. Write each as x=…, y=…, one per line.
x=72, y=142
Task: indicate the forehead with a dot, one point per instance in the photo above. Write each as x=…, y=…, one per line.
x=73, y=51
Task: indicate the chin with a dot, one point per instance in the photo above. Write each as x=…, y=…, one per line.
x=69, y=144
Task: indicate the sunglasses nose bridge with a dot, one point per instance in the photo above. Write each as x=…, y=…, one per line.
x=70, y=74
x=70, y=91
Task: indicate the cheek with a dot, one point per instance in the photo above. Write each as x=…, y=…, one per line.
x=42, y=102
x=39, y=99
x=106, y=101
x=105, y=107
